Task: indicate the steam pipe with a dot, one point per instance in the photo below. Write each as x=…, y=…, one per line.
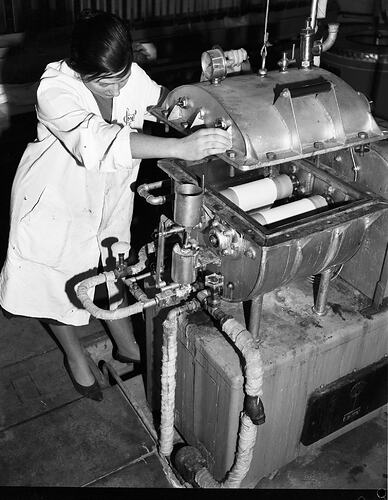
x=255, y=316
x=168, y=382
x=144, y=191
x=313, y=13
x=253, y=413
x=323, y=289
x=97, y=312
x=111, y=276
x=331, y=37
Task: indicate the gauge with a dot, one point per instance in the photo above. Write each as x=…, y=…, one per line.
x=213, y=64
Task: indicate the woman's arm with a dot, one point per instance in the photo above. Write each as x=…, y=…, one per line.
x=204, y=142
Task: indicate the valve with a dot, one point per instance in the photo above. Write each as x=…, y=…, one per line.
x=215, y=284
x=119, y=250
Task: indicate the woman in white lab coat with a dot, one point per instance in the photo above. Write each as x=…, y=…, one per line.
x=72, y=193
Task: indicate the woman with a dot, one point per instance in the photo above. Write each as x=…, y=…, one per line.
x=71, y=196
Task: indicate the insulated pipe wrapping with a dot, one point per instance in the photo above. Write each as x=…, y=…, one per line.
x=246, y=443
x=143, y=255
x=168, y=382
x=254, y=371
x=91, y=283
x=245, y=343
x=97, y=312
x=259, y=193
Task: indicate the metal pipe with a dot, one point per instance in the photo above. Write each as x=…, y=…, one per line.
x=313, y=13
x=144, y=191
x=255, y=316
x=331, y=37
x=321, y=299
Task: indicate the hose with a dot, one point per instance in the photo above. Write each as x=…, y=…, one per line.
x=249, y=420
x=110, y=276
x=168, y=382
x=97, y=312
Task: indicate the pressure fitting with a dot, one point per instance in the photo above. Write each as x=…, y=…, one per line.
x=254, y=408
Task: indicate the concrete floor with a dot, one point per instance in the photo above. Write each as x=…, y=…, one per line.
x=51, y=436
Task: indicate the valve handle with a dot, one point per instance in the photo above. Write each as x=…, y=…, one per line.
x=120, y=248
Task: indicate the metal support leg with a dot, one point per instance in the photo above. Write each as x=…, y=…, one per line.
x=255, y=316
x=321, y=299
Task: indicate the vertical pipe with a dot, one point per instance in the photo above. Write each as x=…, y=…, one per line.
x=313, y=14
x=255, y=316
x=321, y=299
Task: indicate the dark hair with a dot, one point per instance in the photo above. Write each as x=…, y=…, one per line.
x=101, y=44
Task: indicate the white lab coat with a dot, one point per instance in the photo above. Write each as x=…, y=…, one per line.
x=72, y=195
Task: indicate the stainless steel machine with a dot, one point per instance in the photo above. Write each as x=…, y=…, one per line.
x=274, y=222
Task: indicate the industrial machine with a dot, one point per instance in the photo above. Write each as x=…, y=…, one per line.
x=273, y=223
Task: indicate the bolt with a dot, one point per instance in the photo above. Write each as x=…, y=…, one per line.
x=363, y=135
x=271, y=155
x=231, y=154
x=250, y=253
x=318, y=145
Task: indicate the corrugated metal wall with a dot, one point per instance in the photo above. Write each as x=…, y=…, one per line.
x=21, y=15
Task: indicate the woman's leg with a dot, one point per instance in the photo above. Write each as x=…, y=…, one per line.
x=122, y=333
x=78, y=363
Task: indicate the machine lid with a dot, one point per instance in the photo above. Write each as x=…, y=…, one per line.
x=282, y=117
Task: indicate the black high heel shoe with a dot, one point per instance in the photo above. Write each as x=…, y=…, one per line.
x=89, y=391
x=124, y=359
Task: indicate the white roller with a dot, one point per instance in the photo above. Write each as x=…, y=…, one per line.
x=270, y=215
x=259, y=193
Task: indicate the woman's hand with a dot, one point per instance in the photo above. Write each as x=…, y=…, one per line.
x=196, y=146
x=203, y=143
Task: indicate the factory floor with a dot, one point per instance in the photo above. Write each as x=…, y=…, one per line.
x=50, y=436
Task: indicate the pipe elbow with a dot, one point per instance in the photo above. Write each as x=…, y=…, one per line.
x=155, y=200
x=144, y=191
x=331, y=37
x=254, y=408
